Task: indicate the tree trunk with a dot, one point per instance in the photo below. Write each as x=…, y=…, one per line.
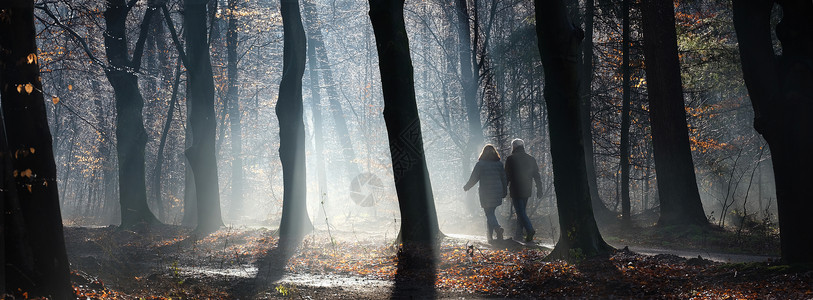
x=558, y=45
x=599, y=208
x=202, y=119
x=624, y=148
x=343, y=134
x=159, y=158
x=233, y=96
x=677, y=186
x=468, y=81
x=780, y=92
x=32, y=157
x=469, y=87
x=15, y=253
x=131, y=138
x=295, y=222
x=316, y=100
x=419, y=223
x=6, y=186
x=190, y=199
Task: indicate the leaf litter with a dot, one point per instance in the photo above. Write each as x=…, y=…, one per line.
x=164, y=263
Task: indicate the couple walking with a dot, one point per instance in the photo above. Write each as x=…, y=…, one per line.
x=495, y=181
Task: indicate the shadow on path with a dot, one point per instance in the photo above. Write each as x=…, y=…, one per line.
x=270, y=270
x=416, y=273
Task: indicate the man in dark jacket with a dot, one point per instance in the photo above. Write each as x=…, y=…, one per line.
x=521, y=168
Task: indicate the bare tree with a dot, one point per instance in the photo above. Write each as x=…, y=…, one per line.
x=559, y=45
x=677, y=186
x=131, y=138
x=202, y=119
x=624, y=148
x=233, y=100
x=295, y=221
x=419, y=224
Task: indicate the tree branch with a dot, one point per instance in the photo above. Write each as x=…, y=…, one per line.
x=72, y=33
x=142, y=37
x=174, y=34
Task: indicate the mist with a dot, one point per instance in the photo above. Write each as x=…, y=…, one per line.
x=175, y=132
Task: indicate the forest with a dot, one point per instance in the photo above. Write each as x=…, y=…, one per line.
x=310, y=149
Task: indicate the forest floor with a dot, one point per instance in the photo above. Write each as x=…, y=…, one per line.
x=166, y=263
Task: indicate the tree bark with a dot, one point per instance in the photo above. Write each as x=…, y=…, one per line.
x=468, y=81
x=468, y=88
x=15, y=253
x=6, y=185
x=419, y=224
x=131, y=138
x=779, y=88
x=559, y=45
x=336, y=111
x=31, y=150
x=677, y=186
x=602, y=213
x=15, y=250
x=202, y=120
x=295, y=222
x=316, y=99
x=233, y=96
x=159, y=157
x=624, y=148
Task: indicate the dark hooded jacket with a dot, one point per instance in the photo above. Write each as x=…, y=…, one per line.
x=521, y=168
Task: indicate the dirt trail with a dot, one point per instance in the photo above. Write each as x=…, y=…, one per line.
x=164, y=263
x=713, y=256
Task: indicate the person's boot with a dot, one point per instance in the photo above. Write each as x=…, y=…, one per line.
x=489, y=232
x=530, y=237
x=499, y=232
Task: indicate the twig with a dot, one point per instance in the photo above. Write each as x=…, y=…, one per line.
x=72, y=33
x=174, y=35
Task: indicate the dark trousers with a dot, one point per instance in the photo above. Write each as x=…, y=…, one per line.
x=491, y=218
x=523, y=222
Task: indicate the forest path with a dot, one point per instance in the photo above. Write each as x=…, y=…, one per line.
x=360, y=265
x=646, y=250
x=713, y=256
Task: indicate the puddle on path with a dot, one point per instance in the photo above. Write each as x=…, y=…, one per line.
x=347, y=282
x=242, y=271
